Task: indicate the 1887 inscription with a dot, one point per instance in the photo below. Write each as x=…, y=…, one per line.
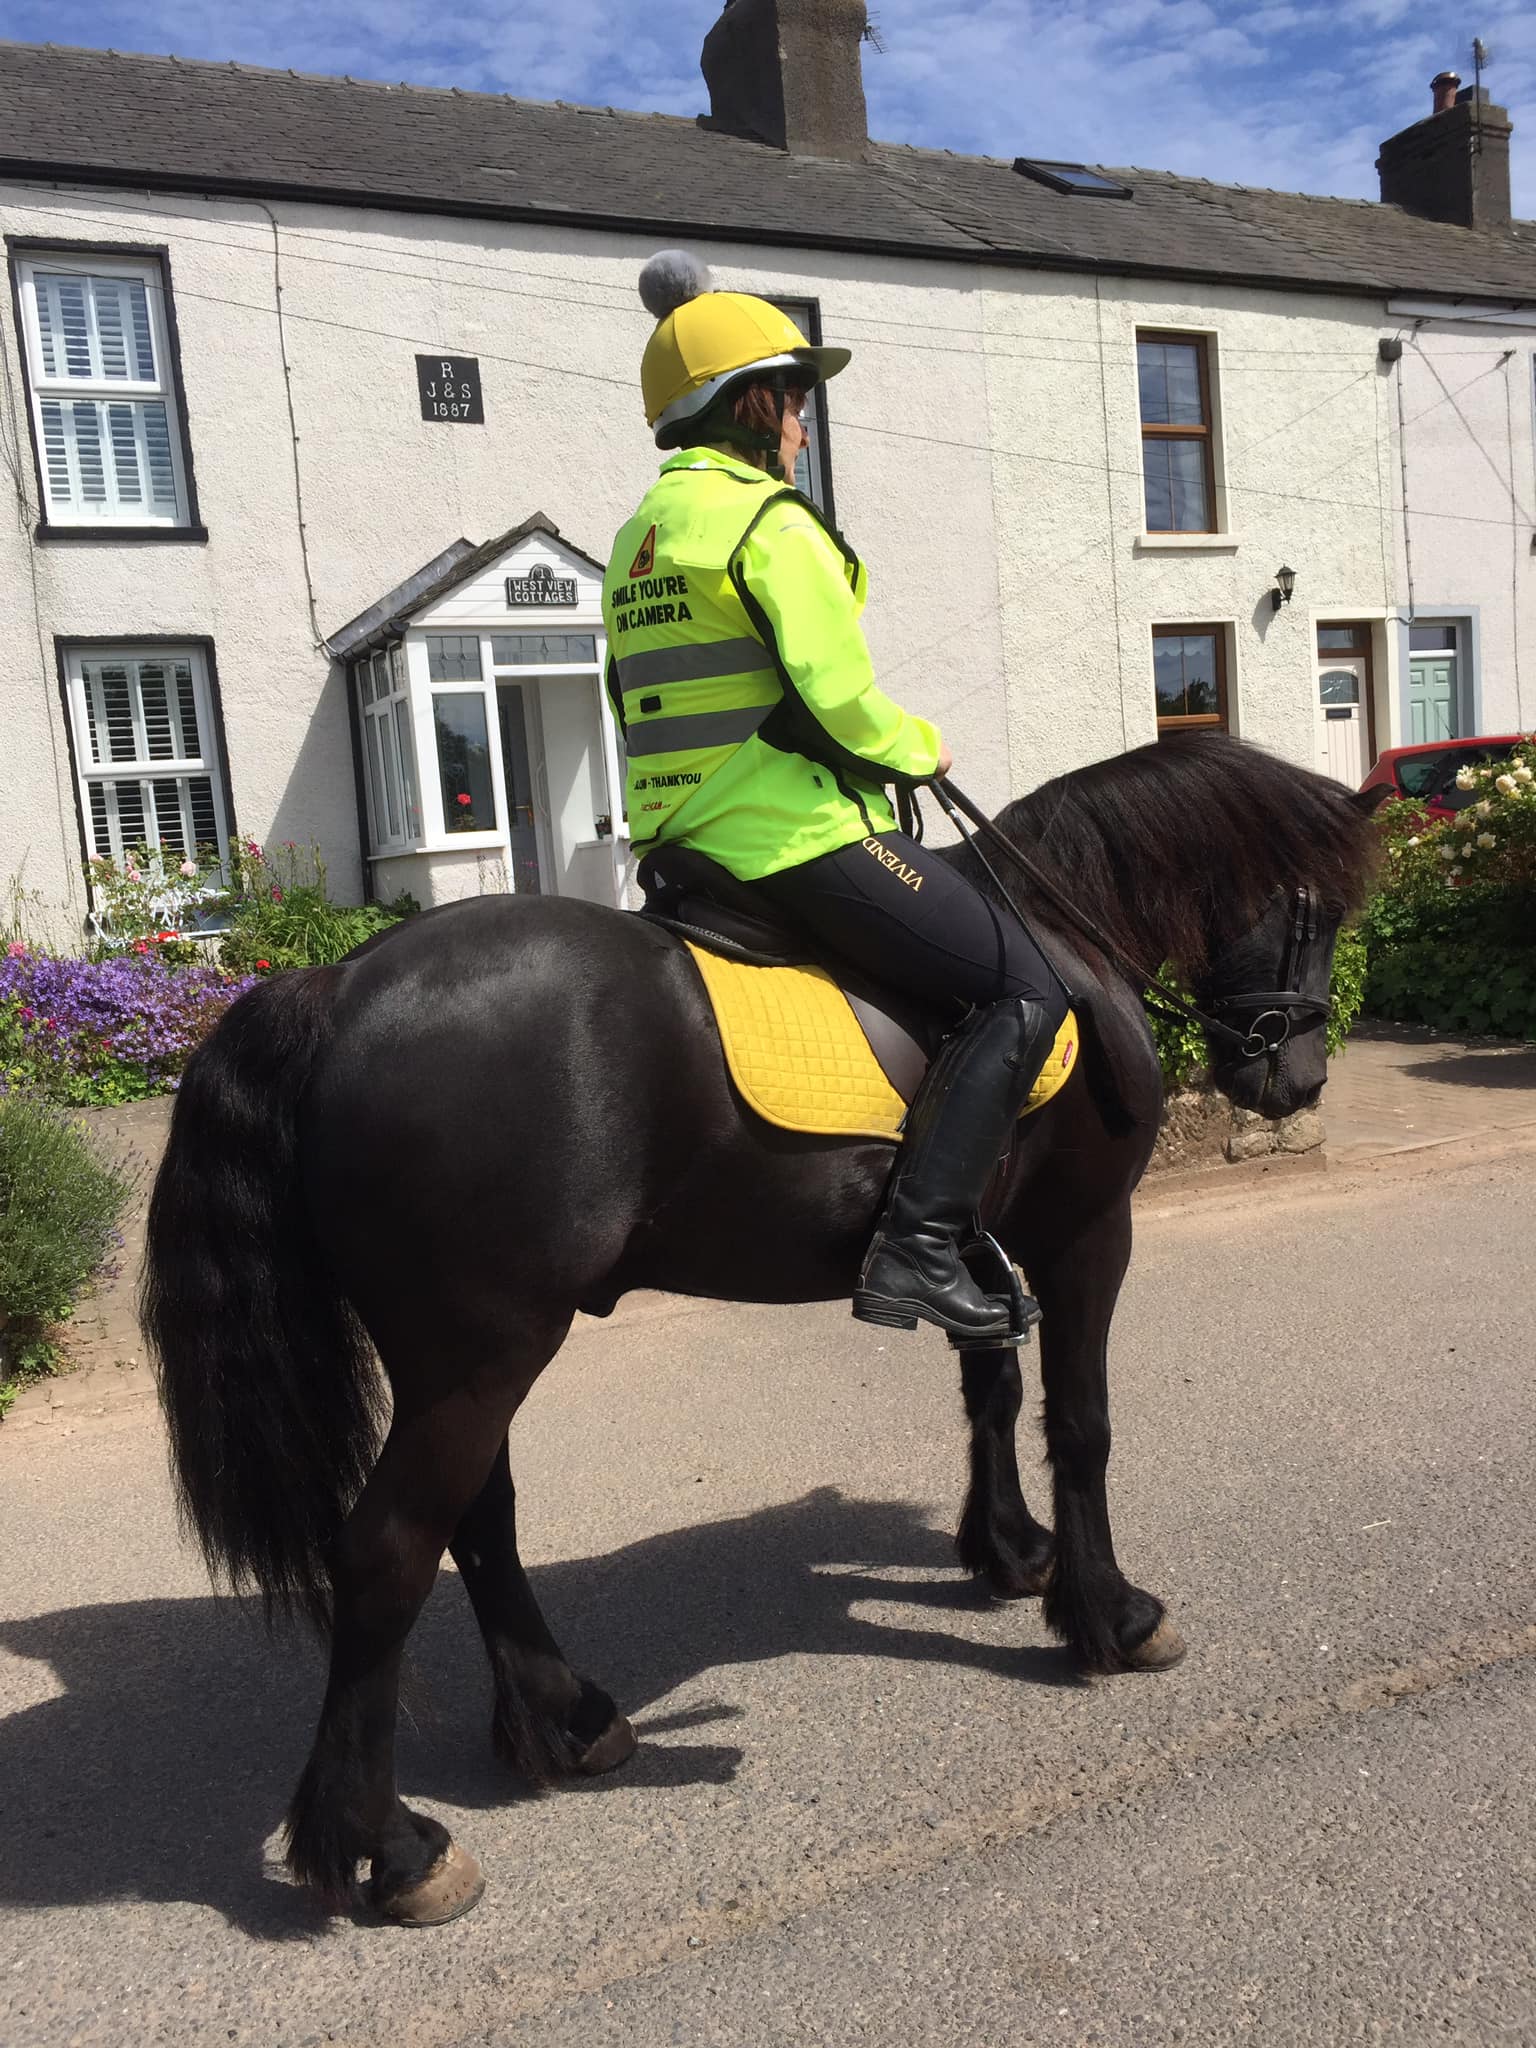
x=450, y=389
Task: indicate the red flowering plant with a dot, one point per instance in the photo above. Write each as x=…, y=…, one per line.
x=156, y=899
x=282, y=913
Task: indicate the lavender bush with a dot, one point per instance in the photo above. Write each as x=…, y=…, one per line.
x=60, y=1201
x=101, y=1031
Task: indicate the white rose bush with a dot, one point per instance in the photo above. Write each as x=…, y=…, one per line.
x=1451, y=934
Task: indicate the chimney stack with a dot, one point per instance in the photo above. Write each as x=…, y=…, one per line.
x=1454, y=166
x=788, y=73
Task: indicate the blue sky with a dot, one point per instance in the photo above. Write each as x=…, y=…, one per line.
x=1291, y=95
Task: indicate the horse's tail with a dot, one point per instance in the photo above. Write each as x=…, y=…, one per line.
x=266, y=1376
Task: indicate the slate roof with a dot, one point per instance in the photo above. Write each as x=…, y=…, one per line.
x=100, y=116
x=388, y=617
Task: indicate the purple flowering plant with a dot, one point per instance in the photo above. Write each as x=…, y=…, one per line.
x=108, y=1030
x=122, y=1025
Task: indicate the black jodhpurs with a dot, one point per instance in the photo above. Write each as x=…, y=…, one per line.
x=905, y=918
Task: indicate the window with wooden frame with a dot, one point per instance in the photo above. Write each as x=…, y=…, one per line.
x=1173, y=375
x=107, y=420
x=1189, y=678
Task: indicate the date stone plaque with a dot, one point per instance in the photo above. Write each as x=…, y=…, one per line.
x=450, y=389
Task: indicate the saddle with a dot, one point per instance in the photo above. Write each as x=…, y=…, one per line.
x=811, y=1044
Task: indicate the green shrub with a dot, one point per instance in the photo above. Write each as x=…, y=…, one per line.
x=1346, y=994
x=1181, y=1048
x=1456, y=986
x=1451, y=932
x=281, y=914
x=60, y=1202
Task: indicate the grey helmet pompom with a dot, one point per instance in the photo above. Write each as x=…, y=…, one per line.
x=671, y=279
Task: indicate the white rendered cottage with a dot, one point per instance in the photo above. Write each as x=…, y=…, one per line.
x=285, y=355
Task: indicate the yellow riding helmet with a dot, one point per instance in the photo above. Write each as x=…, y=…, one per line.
x=706, y=340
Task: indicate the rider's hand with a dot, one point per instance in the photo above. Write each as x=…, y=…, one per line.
x=946, y=760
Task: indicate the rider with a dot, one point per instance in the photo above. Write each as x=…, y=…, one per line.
x=756, y=734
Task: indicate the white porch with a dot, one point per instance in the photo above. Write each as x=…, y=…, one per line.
x=488, y=755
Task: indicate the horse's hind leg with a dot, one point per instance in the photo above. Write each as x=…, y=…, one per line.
x=998, y=1540
x=346, y=1808
x=547, y=1722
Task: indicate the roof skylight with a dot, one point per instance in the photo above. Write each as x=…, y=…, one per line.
x=1071, y=178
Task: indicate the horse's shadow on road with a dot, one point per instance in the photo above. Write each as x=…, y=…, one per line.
x=162, y=1767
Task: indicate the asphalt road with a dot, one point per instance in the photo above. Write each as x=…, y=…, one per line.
x=868, y=1807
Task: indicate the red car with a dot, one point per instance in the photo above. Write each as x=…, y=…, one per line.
x=1427, y=773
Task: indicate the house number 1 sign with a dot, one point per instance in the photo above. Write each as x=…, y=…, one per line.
x=450, y=389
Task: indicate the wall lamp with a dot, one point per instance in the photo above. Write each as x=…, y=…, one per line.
x=1285, y=583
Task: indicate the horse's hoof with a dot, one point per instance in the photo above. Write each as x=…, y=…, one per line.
x=451, y=1887
x=1165, y=1646
x=616, y=1745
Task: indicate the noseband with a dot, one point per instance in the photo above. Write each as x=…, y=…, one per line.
x=1304, y=978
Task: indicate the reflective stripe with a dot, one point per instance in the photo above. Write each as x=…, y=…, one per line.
x=691, y=664
x=693, y=733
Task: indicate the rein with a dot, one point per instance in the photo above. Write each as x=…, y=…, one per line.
x=1251, y=1044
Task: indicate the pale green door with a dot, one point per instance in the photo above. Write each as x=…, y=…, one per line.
x=1432, y=698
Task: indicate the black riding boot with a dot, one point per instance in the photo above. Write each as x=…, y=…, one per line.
x=959, y=1126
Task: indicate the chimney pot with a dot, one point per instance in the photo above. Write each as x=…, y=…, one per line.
x=788, y=73
x=1444, y=89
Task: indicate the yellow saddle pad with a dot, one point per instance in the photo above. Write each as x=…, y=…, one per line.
x=800, y=1059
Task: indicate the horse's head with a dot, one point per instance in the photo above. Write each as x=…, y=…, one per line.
x=1269, y=990
x=1236, y=868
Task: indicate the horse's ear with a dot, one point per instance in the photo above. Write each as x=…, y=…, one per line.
x=1369, y=801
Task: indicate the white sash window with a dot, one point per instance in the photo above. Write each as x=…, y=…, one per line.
x=144, y=748
x=103, y=402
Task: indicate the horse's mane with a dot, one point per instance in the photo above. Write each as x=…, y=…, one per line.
x=1178, y=847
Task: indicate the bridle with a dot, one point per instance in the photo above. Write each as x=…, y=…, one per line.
x=1303, y=976
x=1306, y=963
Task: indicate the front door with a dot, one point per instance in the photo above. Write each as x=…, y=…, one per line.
x=1341, y=687
x=559, y=780
x=1432, y=698
x=1345, y=727
x=520, y=738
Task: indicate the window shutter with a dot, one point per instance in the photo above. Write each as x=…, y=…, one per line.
x=95, y=328
x=103, y=406
x=65, y=325
x=56, y=453
x=147, y=779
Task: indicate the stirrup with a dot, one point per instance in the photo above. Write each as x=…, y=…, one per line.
x=995, y=1273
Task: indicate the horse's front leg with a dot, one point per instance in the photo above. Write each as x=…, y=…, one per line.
x=998, y=1540
x=1111, y=1624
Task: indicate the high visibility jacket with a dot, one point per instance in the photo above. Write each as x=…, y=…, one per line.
x=740, y=676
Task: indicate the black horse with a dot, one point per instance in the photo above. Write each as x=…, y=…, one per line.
x=511, y=1109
